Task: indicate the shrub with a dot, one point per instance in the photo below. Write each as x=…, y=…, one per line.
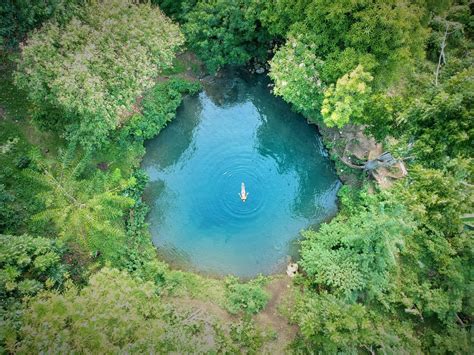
x=29, y=264
x=159, y=107
x=249, y=298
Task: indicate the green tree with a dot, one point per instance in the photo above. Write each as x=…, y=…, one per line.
x=346, y=101
x=176, y=9
x=354, y=256
x=295, y=69
x=333, y=326
x=225, y=32
x=89, y=211
x=278, y=15
x=435, y=282
x=440, y=121
x=84, y=76
x=114, y=313
x=29, y=264
x=18, y=17
x=331, y=38
x=435, y=264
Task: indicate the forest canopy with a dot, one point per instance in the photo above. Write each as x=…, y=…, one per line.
x=85, y=83
x=83, y=76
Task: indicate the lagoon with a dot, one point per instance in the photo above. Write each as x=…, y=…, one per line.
x=236, y=131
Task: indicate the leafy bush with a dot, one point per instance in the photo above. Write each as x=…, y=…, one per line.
x=249, y=298
x=333, y=326
x=345, y=102
x=436, y=265
x=441, y=121
x=159, y=107
x=29, y=264
x=295, y=70
x=138, y=255
x=405, y=252
x=247, y=337
x=84, y=75
x=326, y=40
x=353, y=257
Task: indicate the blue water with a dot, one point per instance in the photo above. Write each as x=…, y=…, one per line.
x=236, y=131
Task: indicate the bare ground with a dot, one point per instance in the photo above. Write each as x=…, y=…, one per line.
x=280, y=290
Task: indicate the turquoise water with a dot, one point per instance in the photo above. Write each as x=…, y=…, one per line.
x=236, y=131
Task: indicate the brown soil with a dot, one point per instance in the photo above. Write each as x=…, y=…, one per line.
x=271, y=318
x=205, y=311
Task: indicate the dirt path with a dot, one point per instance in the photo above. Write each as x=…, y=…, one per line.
x=280, y=292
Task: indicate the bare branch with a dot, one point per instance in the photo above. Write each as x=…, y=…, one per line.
x=442, y=57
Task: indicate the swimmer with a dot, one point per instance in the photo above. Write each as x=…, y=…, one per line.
x=243, y=194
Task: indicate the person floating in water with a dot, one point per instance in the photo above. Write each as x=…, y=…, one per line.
x=243, y=194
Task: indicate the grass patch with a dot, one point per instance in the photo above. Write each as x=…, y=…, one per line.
x=179, y=66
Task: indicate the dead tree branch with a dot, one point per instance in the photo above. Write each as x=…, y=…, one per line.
x=442, y=57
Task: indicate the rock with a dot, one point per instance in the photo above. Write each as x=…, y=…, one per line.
x=260, y=70
x=292, y=269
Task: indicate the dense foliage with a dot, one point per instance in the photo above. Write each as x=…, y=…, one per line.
x=225, y=32
x=159, y=107
x=89, y=211
x=18, y=17
x=392, y=273
x=114, y=313
x=249, y=297
x=354, y=256
x=84, y=75
x=29, y=264
x=412, y=266
x=441, y=121
x=385, y=37
x=345, y=102
x=334, y=326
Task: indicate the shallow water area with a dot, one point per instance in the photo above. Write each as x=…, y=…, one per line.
x=236, y=131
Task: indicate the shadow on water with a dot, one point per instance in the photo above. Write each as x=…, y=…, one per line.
x=177, y=137
x=232, y=132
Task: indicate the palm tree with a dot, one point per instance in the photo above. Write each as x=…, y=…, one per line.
x=89, y=210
